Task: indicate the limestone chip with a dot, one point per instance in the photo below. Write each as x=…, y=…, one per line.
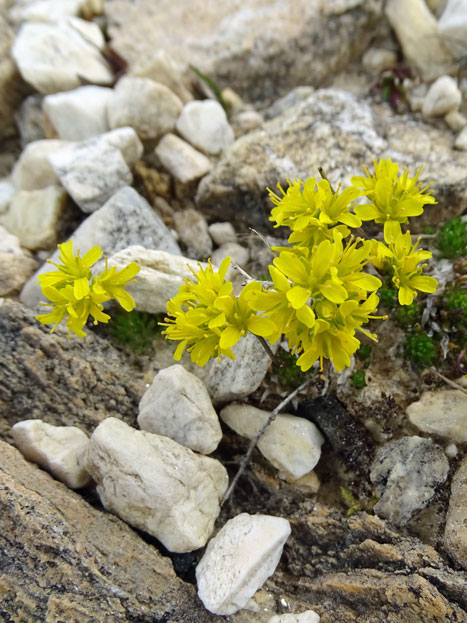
x=177, y=405
x=161, y=67
x=442, y=413
x=239, y=559
x=149, y=107
x=455, y=535
x=184, y=162
x=33, y=170
x=204, y=124
x=291, y=443
x=309, y=616
x=192, y=230
x=222, y=233
x=16, y=266
x=443, y=97
x=155, y=484
x=58, y=449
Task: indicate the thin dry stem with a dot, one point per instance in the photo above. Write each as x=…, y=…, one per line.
x=448, y=381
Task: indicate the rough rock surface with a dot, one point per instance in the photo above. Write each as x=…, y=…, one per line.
x=126, y=219
x=155, y=484
x=455, y=535
x=16, y=265
x=251, y=49
x=406, y=474
x=442, y=413
x=32, y=169
x=238, y=560
x=193, y=232
x=93, y=567
x=64, y=382
x=346, y=133
x=177, y=405
x=303, y=617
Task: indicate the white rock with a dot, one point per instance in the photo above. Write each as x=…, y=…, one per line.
x=94, y=169
x=442, y=97
x=309, y=616
x=79, y=114
x=239, y=559
x=35, y=216
x=442, y=413
x=461, y=140
x=222, y=233
x=162, y=68
x=159, y=279
x=376, y=60
x=455, y=534
x=125, y=220
x=228, y=379
x=7, y=190
x=184, y=162
x=149, y=107
x=48, y=11
x=203, y=123
x=455, y=120
x=238, y=254
x=177, y=405
x=16, y=266
x=290, y=443
x=192, y=230
x=56, y=57
x=33, y=170
x=417, y=31
x=155, y=484
x=58, y=449
x=247, y=120
x=452, y=27
x=30, y=120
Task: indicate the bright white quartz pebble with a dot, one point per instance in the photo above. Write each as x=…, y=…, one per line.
x=185, y=162
x=33, y=170
x=442, y=413
x=309, y=616
x=443, y=96
x=239, y=559
x=290, y=443
x=177, y=405
x=204, y=124
x=155, y=484
x=58, y=449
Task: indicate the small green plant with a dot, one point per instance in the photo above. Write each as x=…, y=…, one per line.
x=358, y=379
x=286, y=370
x=354, y=505
x=388, y=297
x=320, y=296
x=75, y=293
x=363, y=352
x=452, y=239
x=420, y=348
x=135, y=329
x=407, y=315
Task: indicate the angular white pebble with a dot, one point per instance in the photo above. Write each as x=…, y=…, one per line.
x=79, y=114
x=177, y=405
x=155, y=484
x=239, y=559
x=290, y=443
x=159, y=279
x=442, y=413
x=222, y=233
x=181, y=159
x=309, y=616
x=58, y=449
x=204, y=124
x=443, y=96
x=33, y=170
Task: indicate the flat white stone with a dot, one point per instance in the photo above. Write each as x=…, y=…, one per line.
x=162, y=68
x=309, y=616
x=443, y=96
x=222, y=233
x=149, y=107
x=56, y=57
x=455, y=120
x=192, y=230
x=455, y=534
x=184, y=162
x=290, y=443
x=177, y=405
x=33, y=170
x=239, y=559
x=461, y=140
x=16, y=266
x=452, y=27
x=376, y=60
x=125, y=220
x=35, y=215
x=160, y=277
x=79, y=114
x=203, y=123
x=155, y=484
x=442, y=413
x=94, y=169
x=417, y=31
x=58, y=449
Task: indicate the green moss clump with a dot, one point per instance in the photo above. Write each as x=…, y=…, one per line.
x=388, y=297
x=452, y=239
x=286, y=370
x=135, y=330
x=358, y=379
x=407, y=315
x=420, y=348
x=455, y=299
x=363, y=352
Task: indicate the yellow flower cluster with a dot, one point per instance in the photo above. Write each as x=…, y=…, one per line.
x=320, y=295
x=75, y=294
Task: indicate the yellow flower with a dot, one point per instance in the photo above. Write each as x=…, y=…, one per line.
x=112, y=283
x=393, y=197
x=328, y=342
